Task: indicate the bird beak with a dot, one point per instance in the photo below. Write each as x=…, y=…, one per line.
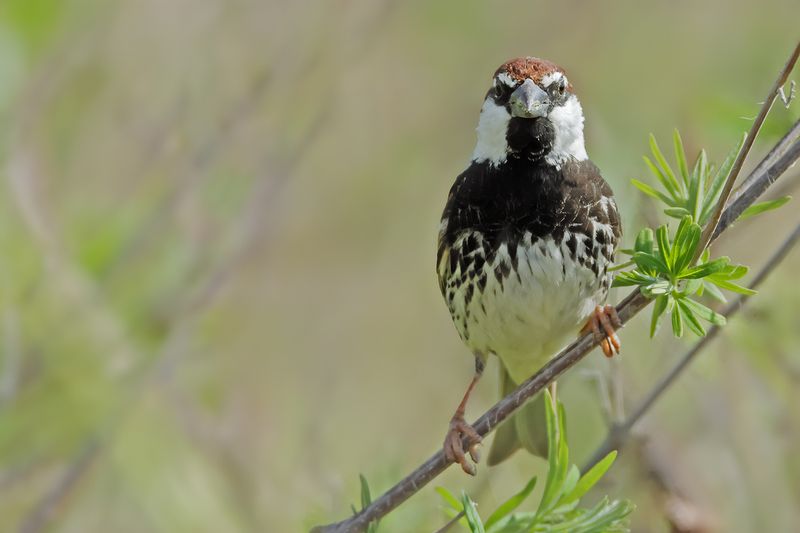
x=529, y=101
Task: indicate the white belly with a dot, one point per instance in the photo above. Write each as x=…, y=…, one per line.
x=526, y=316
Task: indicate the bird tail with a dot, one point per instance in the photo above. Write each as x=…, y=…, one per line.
x=526, y=428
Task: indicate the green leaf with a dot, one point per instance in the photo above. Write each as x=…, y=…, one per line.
x=570, y=483
x=714, y=292
x=366, y=499
x=552, y=453
x=650, y=263
x=605, y=517
x=665, y=170
x=471, y=514
x=686, y=238
x=680, y=156
x=620, y=266
x=634, y=277
x=516, y=523
x=763, y=207
x=510, y=504
x=693, y=286
x=691, y=319
x=455, y=505
x=650, y=191
x=624, y=279
x=644, y=241
x=697, y=188
x=590, y=478
x=657, y=288
x=664, y=247
x=659, y=307
x=563, y=452
x=677, y=323
x=705, y=270
x=665, y=182
x=733, y=272
x=728, y=286
x=718, y=182
x=449, y=498
x=709, y=315
x=676, y=212
x=562, y=423
x=689, y=242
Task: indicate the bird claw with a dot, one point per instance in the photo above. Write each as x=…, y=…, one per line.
x=453, y=444
x=607, y=318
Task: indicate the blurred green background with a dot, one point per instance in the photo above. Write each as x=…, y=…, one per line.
x=218, y=302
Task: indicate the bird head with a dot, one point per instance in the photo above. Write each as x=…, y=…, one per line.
x=530, y=111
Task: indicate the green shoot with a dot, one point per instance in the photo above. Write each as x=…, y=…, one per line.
x=692, y=192
x=366, y=500
x=558, y=508
x=663, y=263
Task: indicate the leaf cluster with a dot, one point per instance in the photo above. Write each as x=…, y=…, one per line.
x=664, y=264
x=694, y=192
x=558, y=509
x=664, y=271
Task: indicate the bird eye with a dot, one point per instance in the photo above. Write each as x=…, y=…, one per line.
x=502, y=90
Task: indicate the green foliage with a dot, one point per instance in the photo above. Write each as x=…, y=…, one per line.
x=558, y=507
x=694, y=192
x=664, y=271
x=762, y=207
x=366, y=500
x=664, y=266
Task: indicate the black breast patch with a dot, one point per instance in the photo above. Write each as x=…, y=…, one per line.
x=489, y=206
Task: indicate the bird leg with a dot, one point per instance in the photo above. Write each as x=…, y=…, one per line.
x=605, y=317
x=459, y=429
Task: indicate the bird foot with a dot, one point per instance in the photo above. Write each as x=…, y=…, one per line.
x=607, y=319
x=453, y=445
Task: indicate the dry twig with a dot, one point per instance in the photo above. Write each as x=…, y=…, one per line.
x=711, y=227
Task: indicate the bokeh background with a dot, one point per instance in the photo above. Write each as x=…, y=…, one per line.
x=218, y=218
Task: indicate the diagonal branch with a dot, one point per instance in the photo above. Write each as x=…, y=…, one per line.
x=627, y=309
x=620, y=432
x=792, y=135
x=711, y=227
x=754, y=186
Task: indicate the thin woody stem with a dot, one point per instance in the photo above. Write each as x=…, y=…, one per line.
x=780, y=81
x=451, y=523
x=764, y=175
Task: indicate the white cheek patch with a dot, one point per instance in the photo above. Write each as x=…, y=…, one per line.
x=492, y=127
x=567, y=122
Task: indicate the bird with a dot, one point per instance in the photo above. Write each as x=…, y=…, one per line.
x=526, y=240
